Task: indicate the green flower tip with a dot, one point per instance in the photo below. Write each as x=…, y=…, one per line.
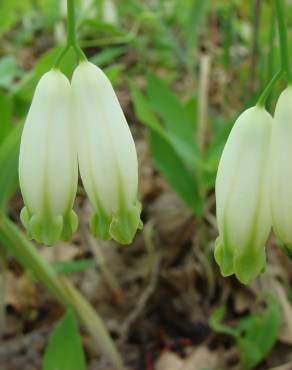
x=121, y=226
x=224, y=258
x=246, y=265
x=48, y=229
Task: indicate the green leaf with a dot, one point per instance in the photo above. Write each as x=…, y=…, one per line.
x=176, y=120
x=5, y=115
x=11, y=12
x=69, y=267
x=107, y=56
x=191, y=109
x=216, y=324
x=166, y=158
x=168, y=107
x=255, y=334
x=196, y=16
x=9, y=150
x=260, y=334
x=64, y=351
x=100, y=27
x=8, y=71
x=114, y=72
x=143, y=111
x=175, y=171
x=148, y=117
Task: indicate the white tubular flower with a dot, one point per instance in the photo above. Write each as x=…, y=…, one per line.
x=48, y=167
x=107, y=156
x=281, y=176
x=242, y=196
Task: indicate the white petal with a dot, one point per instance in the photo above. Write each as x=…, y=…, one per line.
x=106, y=150
x=241, y=184
x=281, y=162
x=48, y=169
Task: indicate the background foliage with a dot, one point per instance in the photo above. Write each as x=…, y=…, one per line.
x=183, y=70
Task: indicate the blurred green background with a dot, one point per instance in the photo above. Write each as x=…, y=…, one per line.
x=183, y=71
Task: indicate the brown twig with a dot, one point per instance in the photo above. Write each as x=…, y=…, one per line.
x=149, y=290
x=204, y=79
x=96, y=248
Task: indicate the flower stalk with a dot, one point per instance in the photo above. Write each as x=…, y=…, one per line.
x=264, y=95
x=284, y=49
x=71, y=36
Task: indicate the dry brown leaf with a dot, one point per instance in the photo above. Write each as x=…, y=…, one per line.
x=173, y=220
x=200, y=358
x=60, y=252
x=243, y=301
x=169, y=361
x=19, y=291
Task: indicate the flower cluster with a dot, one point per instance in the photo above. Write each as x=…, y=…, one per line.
x=254, y=189
x=70, y=125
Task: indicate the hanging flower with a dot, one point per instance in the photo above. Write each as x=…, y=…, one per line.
x=281, y=168
x=48, y=168
x=107, y=156
x=242, y=196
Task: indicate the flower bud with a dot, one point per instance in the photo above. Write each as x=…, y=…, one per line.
x=242, y=196
x=48, y=167
x=281, y=170
x=107, y=156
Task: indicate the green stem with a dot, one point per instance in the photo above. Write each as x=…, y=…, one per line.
x=15, y=241
x=71, y=35
x=60, y=56
x=284, y=49
x=71, y=30
x=271, y=53
x=264, y=95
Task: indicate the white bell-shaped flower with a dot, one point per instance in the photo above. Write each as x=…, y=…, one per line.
x=242, y=196
x=107, y=156
x=48, y=167
x=281, y=170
